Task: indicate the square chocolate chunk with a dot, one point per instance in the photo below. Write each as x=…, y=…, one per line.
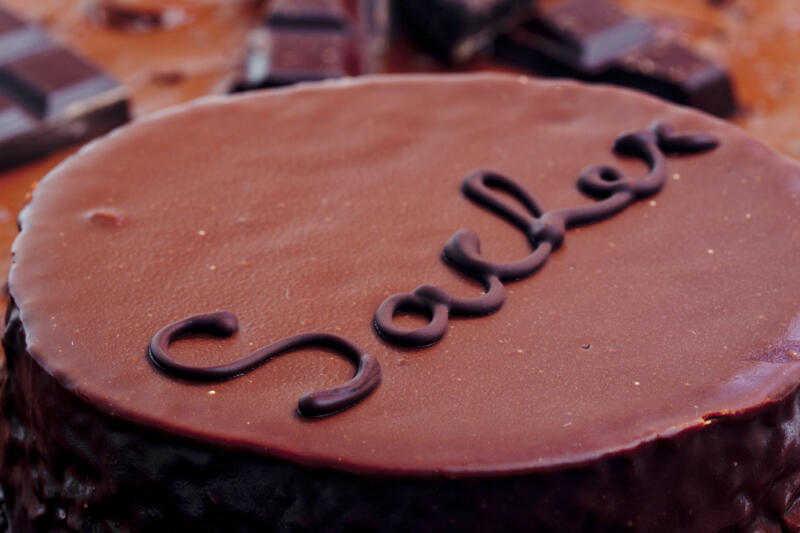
x=14, y=120
x=594, y=41
x=52, y=81
x=18, y=37
x=371, y=32
x=454, y=30
x=301, y=40
x=284, y=57
x=49, y=96
x=325, y=15
x=676, y=72
x=300, y=56
x=587, y=35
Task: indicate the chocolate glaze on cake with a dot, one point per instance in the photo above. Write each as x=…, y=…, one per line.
x=545, y=231
x=644, y=379
x=224, y=324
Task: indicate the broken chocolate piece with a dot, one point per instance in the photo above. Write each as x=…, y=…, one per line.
x=677, y=73
x=310, y=40
x=372, y=16
x=49, y=82
x=304, y=40
x=125, y=18
x=135, y=17
x=14, y=120
x=593, y=41
x=371, y=32
x=323, y=15
x=454, y=30
x=282, y=58
x=18, y=37
x=49, y=96
x=588, y=34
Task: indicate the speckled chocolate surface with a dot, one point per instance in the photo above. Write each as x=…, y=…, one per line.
x=198, y=51
x=756, y=39
x=661, y=324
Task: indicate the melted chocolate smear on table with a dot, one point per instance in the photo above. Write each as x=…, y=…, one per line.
x=595, y=41
x=311, y=40
x=50, y=97
x=545, y=230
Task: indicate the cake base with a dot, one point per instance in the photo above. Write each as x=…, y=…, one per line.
x=71, y=467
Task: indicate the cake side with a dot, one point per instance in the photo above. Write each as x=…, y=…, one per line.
x=72, y=467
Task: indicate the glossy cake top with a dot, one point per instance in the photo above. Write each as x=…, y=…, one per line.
x=303, y=211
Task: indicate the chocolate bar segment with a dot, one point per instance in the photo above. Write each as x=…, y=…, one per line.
x=301, y=40
x=371, y=32
x=594, y=41
x=588, y=34
x=281, y=58
x=135, y=17
x=17, y=37
x=454, y=30
x=372, y=16
x=324, y=15
x=50, y=97
x=309, y=40
x=14, y=120
x=677, y=73
x=49, y=82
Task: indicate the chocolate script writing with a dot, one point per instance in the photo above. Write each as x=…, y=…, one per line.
x=224, y=324
x=545, y=231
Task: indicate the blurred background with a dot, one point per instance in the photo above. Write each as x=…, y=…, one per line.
x=72, y=69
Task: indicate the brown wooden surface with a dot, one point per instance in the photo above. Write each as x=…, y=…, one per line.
x=758, y=39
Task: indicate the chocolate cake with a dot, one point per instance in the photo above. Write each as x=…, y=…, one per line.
x=499, y=304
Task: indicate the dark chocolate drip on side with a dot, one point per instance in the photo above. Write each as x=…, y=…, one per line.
x=223, y=324
x=544, y=230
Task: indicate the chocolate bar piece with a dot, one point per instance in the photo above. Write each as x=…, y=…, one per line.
x=49, y=96
x=18, y=37
x=49, y=82
x=135, y=17
x=677, y=73
x=323, y=15
x=454, y=30
x=587, y=35
x=282, y=58
x=594, y=41
x=14, y=120
x=371, y=32
x=120, y=16
x=301, y=40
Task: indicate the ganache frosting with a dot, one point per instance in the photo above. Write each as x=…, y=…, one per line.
x=302, y=210
x=543, y=229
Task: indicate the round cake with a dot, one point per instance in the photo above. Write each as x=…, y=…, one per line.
x=409, y=304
